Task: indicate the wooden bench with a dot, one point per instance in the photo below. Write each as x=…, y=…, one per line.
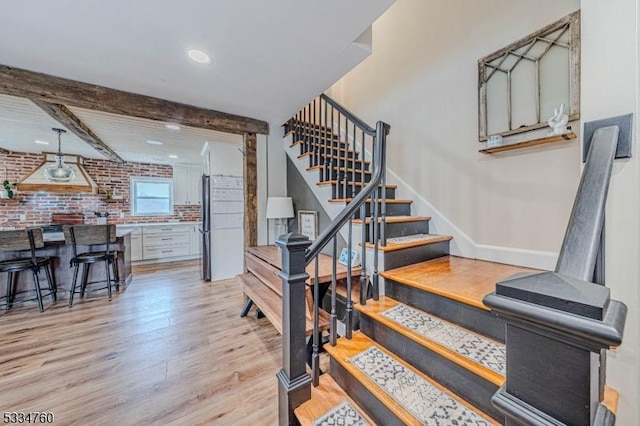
x=263, y=285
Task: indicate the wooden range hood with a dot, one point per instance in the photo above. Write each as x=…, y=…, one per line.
x=36, y=181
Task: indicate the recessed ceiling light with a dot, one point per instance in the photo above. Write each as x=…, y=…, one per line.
x=155, y=143
x=42, y=142
x=173, y=156
x=172, y=126
x=199, y=56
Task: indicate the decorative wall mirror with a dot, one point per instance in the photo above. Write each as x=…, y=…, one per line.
x=520, y=85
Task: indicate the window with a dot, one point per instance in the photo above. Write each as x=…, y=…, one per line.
x=151, y=196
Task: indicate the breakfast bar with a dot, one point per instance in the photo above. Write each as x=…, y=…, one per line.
x=61, y=255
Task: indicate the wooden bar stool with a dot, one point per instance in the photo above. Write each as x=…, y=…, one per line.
x=90, y=235
x=23, y=240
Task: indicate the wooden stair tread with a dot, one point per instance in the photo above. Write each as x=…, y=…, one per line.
x=369, y=200
x=374, y=310
x=320, y=132
x=611, y=399
x=340, y=169
x=391, y=246
x=323, y=398
x=349, y=160
x=457, y=278
x=394, y=219
x=334, y=182
x=346, y=349
x=270, y=303
x=321, y=145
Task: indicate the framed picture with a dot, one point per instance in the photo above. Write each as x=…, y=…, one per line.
x=308, y=223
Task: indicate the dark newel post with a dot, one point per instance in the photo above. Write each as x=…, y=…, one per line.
x=294, y=384
x=556, y=328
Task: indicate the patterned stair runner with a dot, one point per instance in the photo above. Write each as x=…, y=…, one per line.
x=481, y=350
x=423, y=400
x=342, y=414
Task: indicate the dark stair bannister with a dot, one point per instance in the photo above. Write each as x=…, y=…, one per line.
x=560, y=324
x=338, y=143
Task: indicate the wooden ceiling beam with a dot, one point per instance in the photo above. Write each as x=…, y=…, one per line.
x=56, y=90
x=68, y=119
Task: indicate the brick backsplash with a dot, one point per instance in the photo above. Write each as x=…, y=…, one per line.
x=38, y=206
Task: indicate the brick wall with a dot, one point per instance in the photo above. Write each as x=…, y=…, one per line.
x=38, y=206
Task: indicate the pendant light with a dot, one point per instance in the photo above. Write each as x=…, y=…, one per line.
x=59, y=172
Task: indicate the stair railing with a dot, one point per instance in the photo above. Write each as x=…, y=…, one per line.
x=560, y=324
x=337, y=143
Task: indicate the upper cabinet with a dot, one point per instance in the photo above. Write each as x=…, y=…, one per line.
x=187, y=185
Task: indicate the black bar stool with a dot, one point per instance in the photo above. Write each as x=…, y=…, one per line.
x=89, y=235
x=22, y=240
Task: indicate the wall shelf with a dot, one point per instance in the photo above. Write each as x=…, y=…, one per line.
x=526, y=144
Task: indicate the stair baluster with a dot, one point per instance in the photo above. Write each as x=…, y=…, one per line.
x=334, y=316
x=364, y=287
x=348, y=320
x=315, y=358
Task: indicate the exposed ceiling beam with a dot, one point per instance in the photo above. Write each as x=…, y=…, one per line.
x=68, y=119
x=43, y=87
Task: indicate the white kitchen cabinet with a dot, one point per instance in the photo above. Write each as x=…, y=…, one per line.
x=187, y=185
x=196, y=240
x=136, y=242
x=165, y=241
x=136, y=247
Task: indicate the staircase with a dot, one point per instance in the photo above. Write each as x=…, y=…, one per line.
x=428, y=351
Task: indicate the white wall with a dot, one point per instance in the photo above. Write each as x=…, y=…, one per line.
x=610, y=87
x=274, y=163
x=422, y=80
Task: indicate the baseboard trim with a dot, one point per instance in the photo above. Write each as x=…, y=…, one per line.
x=515, y=256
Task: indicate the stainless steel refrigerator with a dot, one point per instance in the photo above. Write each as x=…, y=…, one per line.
x=206, y=228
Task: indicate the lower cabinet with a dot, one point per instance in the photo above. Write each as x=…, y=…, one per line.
x=136, y=247
x=196, y=240
x=163, y=242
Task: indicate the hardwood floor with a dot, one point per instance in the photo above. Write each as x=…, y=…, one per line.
x=169, y=349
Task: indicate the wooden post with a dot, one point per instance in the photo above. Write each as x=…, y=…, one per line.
x=294, y=384
x=250, y=190
x=556, y=328
x=57, y=90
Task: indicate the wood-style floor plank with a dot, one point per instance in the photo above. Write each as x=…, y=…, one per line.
x=170, y=349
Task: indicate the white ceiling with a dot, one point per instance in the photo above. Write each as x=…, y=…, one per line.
x=22, y=123
x=268, y=57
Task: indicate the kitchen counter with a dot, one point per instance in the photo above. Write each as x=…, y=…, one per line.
x=62, y=253
x=131, y=225
x=50, y=237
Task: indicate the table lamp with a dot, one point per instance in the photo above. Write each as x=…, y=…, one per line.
x=280, y=208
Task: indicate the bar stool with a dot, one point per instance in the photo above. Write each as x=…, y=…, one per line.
x=89, y=235
x=22, y=240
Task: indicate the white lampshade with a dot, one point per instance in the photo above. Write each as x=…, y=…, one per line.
x=279, y=207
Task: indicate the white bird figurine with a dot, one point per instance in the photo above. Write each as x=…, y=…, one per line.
x=558, y=122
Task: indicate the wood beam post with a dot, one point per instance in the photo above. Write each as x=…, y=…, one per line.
x=43, y=87
x=294, y=384
x=250, y=190
x=68, y=119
